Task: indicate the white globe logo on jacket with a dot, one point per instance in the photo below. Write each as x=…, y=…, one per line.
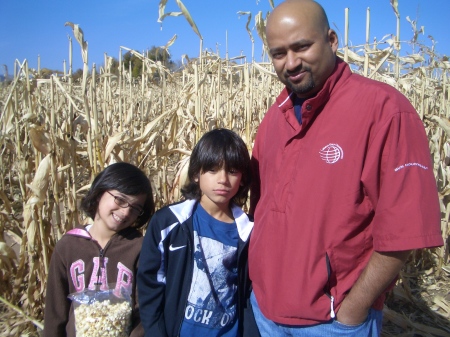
x=331, y=153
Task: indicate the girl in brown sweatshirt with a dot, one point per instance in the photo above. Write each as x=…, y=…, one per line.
x=105, y=252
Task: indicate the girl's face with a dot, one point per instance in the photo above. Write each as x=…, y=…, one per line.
x=218, y=187
x=117, y=211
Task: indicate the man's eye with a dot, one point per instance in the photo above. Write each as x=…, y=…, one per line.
x=302, y=47
x=277, y=55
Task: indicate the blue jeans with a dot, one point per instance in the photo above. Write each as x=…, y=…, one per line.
x=370, y=328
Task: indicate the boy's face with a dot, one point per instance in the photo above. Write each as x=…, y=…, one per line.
x=218, y=187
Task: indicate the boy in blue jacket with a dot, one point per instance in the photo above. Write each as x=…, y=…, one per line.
x=193, y=273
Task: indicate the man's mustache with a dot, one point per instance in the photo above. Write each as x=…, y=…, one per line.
x=297, y=70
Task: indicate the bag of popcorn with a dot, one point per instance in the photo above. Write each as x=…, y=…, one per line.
x=102, y=313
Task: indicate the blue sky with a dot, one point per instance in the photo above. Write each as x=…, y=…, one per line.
x=29, y=28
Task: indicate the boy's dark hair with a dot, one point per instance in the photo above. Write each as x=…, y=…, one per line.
x=217, y=148
x=125, y=178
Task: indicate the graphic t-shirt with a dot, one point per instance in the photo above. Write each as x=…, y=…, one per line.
x=211, y=307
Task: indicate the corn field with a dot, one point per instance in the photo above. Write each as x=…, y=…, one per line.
x=57, y=134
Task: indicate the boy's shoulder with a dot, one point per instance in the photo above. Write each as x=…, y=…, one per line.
x=167, y=208
x=181, y=211
x=250, y=218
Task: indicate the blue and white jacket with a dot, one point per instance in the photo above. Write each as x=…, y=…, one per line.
x=166, y=267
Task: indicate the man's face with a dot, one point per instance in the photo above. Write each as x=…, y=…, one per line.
x=302, y=54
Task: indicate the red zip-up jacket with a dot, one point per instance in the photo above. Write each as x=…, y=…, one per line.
x=354, y=177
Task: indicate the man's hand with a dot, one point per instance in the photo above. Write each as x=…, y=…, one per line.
x=381, y=270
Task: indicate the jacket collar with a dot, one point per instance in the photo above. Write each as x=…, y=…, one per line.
x=185, y=209
x=313, y=105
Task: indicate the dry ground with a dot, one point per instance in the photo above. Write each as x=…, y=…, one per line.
x=419, y=305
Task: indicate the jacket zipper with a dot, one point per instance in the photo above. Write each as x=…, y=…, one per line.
x=101, y=262
x=190, y=239
x=328, y=288
x=242, y=280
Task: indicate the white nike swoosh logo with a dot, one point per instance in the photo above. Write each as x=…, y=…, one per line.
x=172, y=248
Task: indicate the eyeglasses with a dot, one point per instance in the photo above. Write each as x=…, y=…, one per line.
x=121, y=202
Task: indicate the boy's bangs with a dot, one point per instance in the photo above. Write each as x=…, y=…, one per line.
x=229, y=156
x=234, y=159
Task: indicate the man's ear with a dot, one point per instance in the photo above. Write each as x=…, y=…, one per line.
x=333, y=39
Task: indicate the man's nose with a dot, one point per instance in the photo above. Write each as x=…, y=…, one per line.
x=293, y=60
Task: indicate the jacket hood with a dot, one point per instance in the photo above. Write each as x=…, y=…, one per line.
x=126, y=233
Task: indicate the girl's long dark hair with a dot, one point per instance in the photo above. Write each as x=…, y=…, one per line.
x=125, y=178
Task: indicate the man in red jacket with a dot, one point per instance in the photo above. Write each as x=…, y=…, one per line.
x=344, y=187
